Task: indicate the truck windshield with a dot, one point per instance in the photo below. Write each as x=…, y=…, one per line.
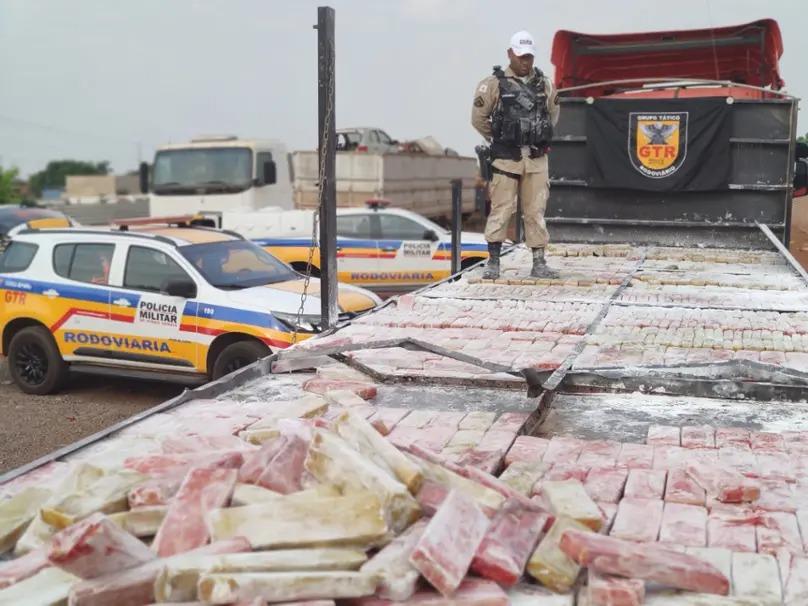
x=211, y=170
x=236, y=264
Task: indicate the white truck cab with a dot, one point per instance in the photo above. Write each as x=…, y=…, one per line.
x=218, y=174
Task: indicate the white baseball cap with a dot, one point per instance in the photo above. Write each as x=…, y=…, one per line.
x=522, y=44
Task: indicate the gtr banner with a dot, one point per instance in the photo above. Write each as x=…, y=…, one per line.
x=659, y=144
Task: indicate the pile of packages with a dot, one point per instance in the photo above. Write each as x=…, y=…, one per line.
x=326, y=499
x=632, y=336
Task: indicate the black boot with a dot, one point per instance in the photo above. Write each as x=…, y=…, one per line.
x=540, y=269
x=492, y=267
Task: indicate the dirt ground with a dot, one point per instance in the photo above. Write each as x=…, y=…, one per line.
x=36, y=425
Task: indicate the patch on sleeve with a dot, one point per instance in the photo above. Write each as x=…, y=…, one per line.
x=479, y=102
x=483, y=88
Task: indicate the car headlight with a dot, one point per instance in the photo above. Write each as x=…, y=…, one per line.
x=307, y=322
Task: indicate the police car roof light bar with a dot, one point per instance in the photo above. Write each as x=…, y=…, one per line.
x=377, y=203
x=178, y=220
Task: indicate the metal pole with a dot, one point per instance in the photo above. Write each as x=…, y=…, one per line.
x=327, y=158
x=457, y=219
x=520, y=228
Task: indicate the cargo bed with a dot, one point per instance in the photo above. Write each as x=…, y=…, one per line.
x=630, y=338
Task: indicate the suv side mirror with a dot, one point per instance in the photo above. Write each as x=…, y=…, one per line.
x=180, y=287
x=431, y=235
x=270, y=172
x=144, y=178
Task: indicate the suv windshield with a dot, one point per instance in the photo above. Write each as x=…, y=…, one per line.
x=236, y=264
x=222, y=169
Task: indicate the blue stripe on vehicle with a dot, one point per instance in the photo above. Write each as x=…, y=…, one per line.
x=106, y=295
x=232, y=314
x=464, y=246
x=66, y=291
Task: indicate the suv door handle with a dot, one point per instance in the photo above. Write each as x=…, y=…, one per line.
x=389, y=248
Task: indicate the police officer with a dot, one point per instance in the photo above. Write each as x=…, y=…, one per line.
x=515, y=111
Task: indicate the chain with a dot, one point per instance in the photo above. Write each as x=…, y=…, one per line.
x=329, y=111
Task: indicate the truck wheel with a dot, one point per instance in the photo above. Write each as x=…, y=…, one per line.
x=238, y=355
x=35, y=363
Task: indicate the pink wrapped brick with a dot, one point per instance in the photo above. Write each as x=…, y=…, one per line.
x=796, y=585
x=606, y=485
x=800, y=490
x=472, y=592
x=765, y=440
x=489, y=481
x=97, y=546
x=778, y=530
x=732, y=436
x=509, y=542
x=495, y=439
x=698, y=436
x=608, y=555
x=739, y=458
x=179, y=463
x=560, y=472
x=684, y=525
x=285, y=471
x=609, y=511
x=386, y=418
x=527, y=448
x=772, y=466
x=447, y=547
x=636, y=456
x=599, y=453
x=136, y=585
x=448, y=419
x=730, y=535
x=184, y=526
x=23, y=567
x=563, y=449
x=663, y=435
x=366, y=391
x=776, y=496
x=156, y=491
x=417, y=418
x=646, y=483
x=431, y=496
x=723, y=483
x=736, y=513
x=703, y=455
x=669, y=457
x=594, y=460
x=486, y=460
x=435, y=437
x=511, y=422
x=606, y=590
x=256, y=462
x=637, y=520
x=204, y=443
x=404, y=437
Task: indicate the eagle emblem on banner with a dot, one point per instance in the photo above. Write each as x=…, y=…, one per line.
x=657, y=142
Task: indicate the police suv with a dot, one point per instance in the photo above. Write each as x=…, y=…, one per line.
x=380, y=248
x=185, y=304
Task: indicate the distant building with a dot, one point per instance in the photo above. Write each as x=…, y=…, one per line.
x=91, y=189
x=52, y=195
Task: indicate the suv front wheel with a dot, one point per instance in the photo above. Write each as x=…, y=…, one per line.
x=238, y=355
x=34, y=361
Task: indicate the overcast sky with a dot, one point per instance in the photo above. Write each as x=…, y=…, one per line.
x=110, y=80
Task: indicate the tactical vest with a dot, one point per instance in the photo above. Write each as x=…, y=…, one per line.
x=521, y=118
